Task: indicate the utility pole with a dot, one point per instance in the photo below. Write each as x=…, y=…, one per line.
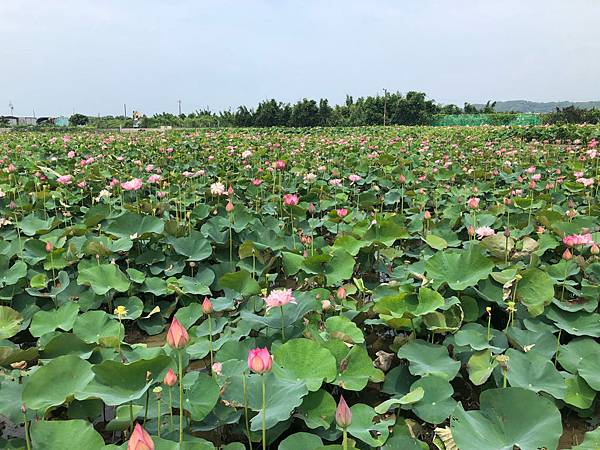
x=179, y=104
x=125, y=109
x=12, y=107
x=384, y=105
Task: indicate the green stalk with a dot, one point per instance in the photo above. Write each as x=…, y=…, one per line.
x=345, y=439
x=171, y=405
x=180, y=398
x=27, y=438
x=282, y=325
x=264, y=413
x=246, y=411
x=158, y=424
x=210, y=340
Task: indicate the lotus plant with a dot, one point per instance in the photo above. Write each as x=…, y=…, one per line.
x=177, y=338
x=260, y=361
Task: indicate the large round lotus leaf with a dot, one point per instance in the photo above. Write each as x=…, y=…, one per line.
x=11, y=395
x=318, y=409
x=578, y=323
x=240, y=282
x=582, y=356
x=10, y=322
x=480, y=366
x=497, y=245
x=67, y=344
x=194, y=246
x=202, y=397
x=534, y=372
x=304, y=360
x=535, y=290
x=354, y=367
x=31, y=225
x=342, y=328
x=64, y=434
x=436, y=242
x=507, y=418
x=103, y=278
x=429, y=359
x=51, y=384
x=591, y=441
x=349, y=244
x=363, y=426
x=97, y=326
x=304, y=441
x=404, y=442
x=539, y=342
x=133, y=305
x=386, y=232
x=135, y=226
x=46, y=321
x=437, y=403
x=578, y=392
x=117, y=383
x=398, y=381
x=460, y=269
x=10, y=275
x=408, y=399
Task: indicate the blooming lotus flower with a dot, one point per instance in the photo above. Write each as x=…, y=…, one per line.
x=256, y=182
x=335, y=182
x=64, y=179
x=279, y=297
x=132, y=185
x=154, y=178
x=482, y=232
x=140, y=439
x=260, y=360
x=71, y=154
x=280, y=164
x=170, y=378
x=217, y=188
x=578, y=239
x=341, y=212
x=309, y=177
x=217, y=368
x=343, y=414
x=354, y=178
x=177, y=336
x=290, y=199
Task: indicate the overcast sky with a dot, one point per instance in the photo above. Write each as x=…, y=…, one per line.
x=92, y=56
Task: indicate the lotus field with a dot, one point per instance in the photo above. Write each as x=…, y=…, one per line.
x=317, y=289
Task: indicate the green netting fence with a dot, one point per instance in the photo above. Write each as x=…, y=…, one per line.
x=466, y=120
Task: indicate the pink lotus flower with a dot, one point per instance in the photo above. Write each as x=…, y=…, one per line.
x=170, y=378
x=140, y=439
x=335, y=182
x=279, y=164
x=71, y=154
x=154, y=178
x=161, y=194
x=354, y=178
x=132, y=185
x=578, y=239
x=256, y=182
x=149, y=167
x=177, y=336
x=81, y=184
x=217, y=188
x=341, y=212
x=279, y=297
x=260, y=360
x=64, y=179
x=473, y=203
x=343, y=414
x=229, y=207
x=484, y=232
x=217, y=368
x=290, y=199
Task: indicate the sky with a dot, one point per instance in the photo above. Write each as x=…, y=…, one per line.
x=92, y=56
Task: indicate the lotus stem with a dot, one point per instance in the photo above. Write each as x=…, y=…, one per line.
x=171, y=406
x=180, y=398
x=27, y=438
x=345, y=439
x=282, y=325
x=210, y=340
x=246, y=410
x=264, y=412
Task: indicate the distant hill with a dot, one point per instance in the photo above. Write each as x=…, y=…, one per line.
x=539, y=107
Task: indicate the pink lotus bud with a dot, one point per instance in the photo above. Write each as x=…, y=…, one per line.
x=216, y=368
x=427, y=215
x=49, y=247
x=177, y=336
x=140, y=439
x=402, y=179
x=280, y=165
x=325, y=304
x=567, y=255
x=473, y=203
x=259, y=360
x=594, y=249
x=207, y=306
x=229, y=190
x=229, y=207
x=311, y=208
x=341, y=293
x=343, y=414
x=170, y=378
x=471, y=230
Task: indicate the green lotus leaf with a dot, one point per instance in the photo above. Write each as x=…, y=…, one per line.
x=46, y=321
x=576, y=324
x=436, y=242
x=507, y=418
x=67, y=344
x=437, y=403
x=582, y=356
x=240, y=282
x=63, y=434
x=202, y=397
x=97, y=327
x=116, y=383
x=498, y=245
x=412, y=397
x=103, y=278
x=429, y=359
x=364, y=428
x=534, y=372
x=459, y=268
x=133, y=226
x=31, y=225
x=578, y=392
x=11, y=394
x=53, y=383
x=318, y=409
x=480, y=366
x=194, y=246
x=342, y=328
x=305, y=360
x=349, y=244
x=292, y=262
x=535, y=290
x=133, y=305
x=10, y=322
x=305, y=441
x=10, y=275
